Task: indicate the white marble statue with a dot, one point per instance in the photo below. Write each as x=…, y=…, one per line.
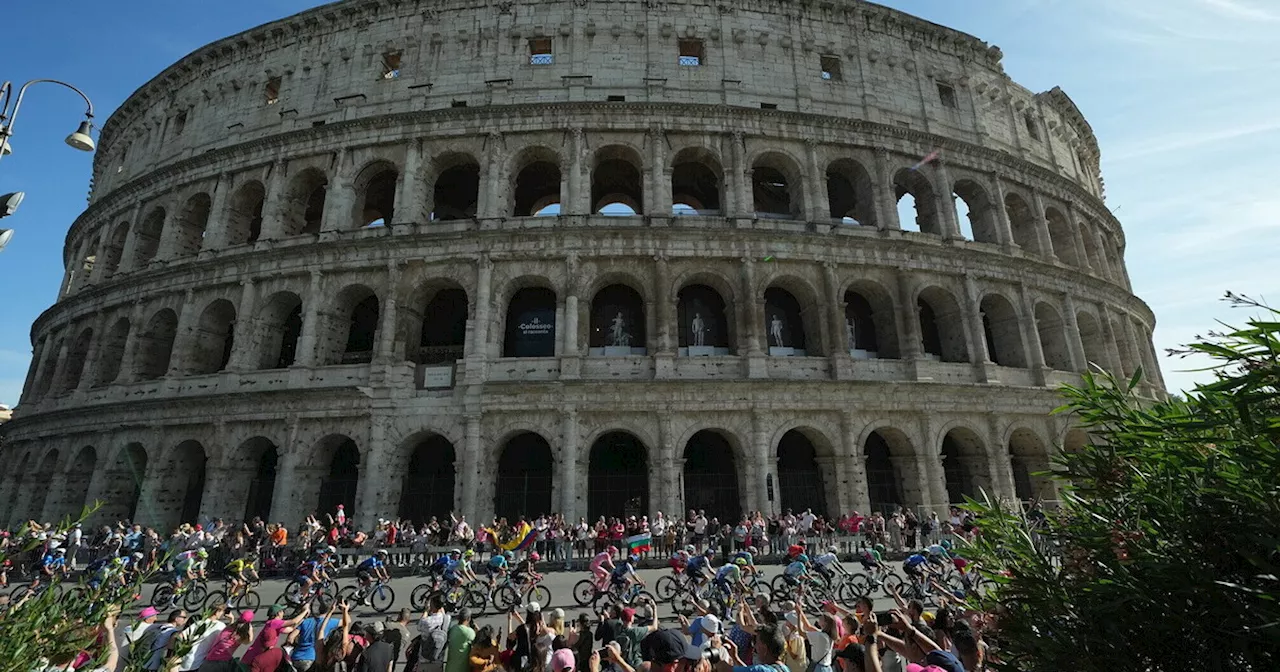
x=618, y=336
x=775, y=331
x=699, y=329
x=849, y=334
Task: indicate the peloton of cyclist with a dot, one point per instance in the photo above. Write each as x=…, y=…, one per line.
x=749, y=566
x=370, y=569
x=699, y=568
x=872, y=559
x=828, y=564
x=796, y=571
x=240, y=572
x=601, y=566
x=729, y=579
x=456, y=570
x=52, y=565
x=525, y=573
x=497, y=567
x=625, y=574
x=188, y=565
x=313, y=570
x=917, y=567
x=104, y=571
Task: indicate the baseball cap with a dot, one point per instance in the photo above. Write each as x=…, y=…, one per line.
x=943, y=660
x=709, y=624
x=535, y=607
x=562, y=659
x=247, y=616
x=666, y=646
x=378, y=627
x=149, y=612
x=275, y=610
x=628, y=613
x=854, y=651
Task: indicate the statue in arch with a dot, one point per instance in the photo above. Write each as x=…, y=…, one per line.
x=775, y=331
x=618, y=336
x=852, y=342
x=699, y=329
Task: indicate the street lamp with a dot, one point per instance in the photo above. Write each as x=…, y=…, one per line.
x=80, y=139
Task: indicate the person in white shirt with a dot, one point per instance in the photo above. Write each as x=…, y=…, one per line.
x=201, y=635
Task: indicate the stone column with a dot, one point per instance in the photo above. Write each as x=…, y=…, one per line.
x=1115, y=366
x=743, y=205
x=1042, y=228
x=129, y=255
x=340, y=198
x=492, y=180
x=911, y=346
x=886, y=200
x=1004, y=229
x=411, y=195
x=90, y=370
x=578, y=199
x=478, y=349
x=275, y=203
x=1127, y=333
x=817, y=207
x=375, y=471
x=999, y=466
x=285, y=507
x=99, y=272
x=569, y=463
x=750, y=308
x=1030, y=336
x=168, y=247
x=659, y=196
x=471, y=468
x=946, y=202
x=60, y=365
x=216, y=238
x=184, y=336
x=131, y=345
x=246, y=331
x=977, y=332
x=1074, y=343
x=307, y=342
x=838, y=330
x=766, y=466
x=1077, y=238
x=386, y=345
x=55, y=491
x=664, y=306
x=857, y=465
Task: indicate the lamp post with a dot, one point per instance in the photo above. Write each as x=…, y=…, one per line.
x=80, y=139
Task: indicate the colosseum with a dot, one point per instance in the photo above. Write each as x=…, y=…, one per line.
x=506, y=257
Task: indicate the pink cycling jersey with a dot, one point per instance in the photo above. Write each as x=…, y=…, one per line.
x=599, y=560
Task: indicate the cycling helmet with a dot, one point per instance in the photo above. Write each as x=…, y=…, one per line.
x=455, y=551
x=331, y=550
x=508, y=555
x=878, y=548
x=613, y=551
x=690, y=549
x=753, y=550
x=468, y=553
x=709, y=552
x=833, y=548
x=802, y=558
x=202, y=553
x=382, y=553
x=59, y=551
x=137, y=557
x=633, y=558
x=534, y=556
x=742, y=562
x=946, y=543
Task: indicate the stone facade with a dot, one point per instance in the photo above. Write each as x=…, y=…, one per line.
x=359, y=255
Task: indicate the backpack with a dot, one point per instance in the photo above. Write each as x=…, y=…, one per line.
x=434, y=643
x=411, y=654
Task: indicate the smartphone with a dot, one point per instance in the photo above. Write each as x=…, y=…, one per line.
x=884, y=618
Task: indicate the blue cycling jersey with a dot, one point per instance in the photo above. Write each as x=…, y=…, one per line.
x=370, y=564
x=697, y=563
x=497, y=562
x=53, y=561
x=914, y=560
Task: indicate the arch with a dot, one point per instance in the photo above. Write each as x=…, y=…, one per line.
x=280, y=325
x=44, y=383
x=964, y=464
x=711, y=477
x=303, y=210
x=192, y=223
x=213, y=340
x=76, y=356
x=1093, y=340
x=244, y=214
x=375, y=191
x=890, y=465
x=1022, y=223
x=616, y=181
x=703, y=321
x=17, y=481
x=429, y=480
x=1029, y=462
x=776, y=187
x=456, y=192
x=941, y=326
x=111, y=353
x=977, y=210
x=341, y=456
x=260, y=457
x=441, y=332
x=353, y=327
x=784, y=323
x=155, y=346
x=850, y=193
x=524, y=478
x=871, y=322
x=146, y=241
x=1064, y=244
x=113, y=253
x=697, y=181
x=922, y=208
x=801, y=483
x=180, y=487
x=38, y=489
x=617, y=322
x=1091, y=251
x=1052, y=333
x=531, y=324
x=122, y=489
x=1002, y=331
x=77, y=477
x=618, y=477
x=536, y=186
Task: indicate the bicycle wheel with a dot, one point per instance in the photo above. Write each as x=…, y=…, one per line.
x=322, y=601
x=505, y=598
x=666, y=588
x=162, y=597
x=382, y=598
x=584, y=592
x=540, y=594
x=348, y=595
x=682, y=603
x=779, y=586
x=891, y=583
x=250, y=600
x=475, y=599
x=215, y=598
x=194, y=598
x=419, y=595
x=293, y=593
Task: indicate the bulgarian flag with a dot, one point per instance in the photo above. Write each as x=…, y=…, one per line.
x=638, y=543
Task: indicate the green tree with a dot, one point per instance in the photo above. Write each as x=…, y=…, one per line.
x=1165, y=550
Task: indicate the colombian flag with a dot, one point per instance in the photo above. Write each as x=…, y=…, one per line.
x=522, y=539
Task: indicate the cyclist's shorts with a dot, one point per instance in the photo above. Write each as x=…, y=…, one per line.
x=791, y=580
x=364, y=575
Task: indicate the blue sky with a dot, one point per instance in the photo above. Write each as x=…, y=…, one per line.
x=1182, y=94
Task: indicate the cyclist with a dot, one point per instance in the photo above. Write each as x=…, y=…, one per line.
x=454, y=572
x=795, y=550
x=371, y=568
x=828, y=564
x=312, y=571
x=680, y=559
x=602, y=565
x=238, y=573
x=796, y=571
x=625, y=574
x=728, y=579
x=917, y=567
x=52, y=565
x=104, y=571
x=872, y=559
x=497, y=567
x=188, y=565
x=699, y=568
x=749, y=555
x=524, y=573
x=133, y=565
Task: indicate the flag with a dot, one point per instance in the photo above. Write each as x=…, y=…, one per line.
x=929, y=158
x=520, y=539
x=527, y=542
x=639, y=543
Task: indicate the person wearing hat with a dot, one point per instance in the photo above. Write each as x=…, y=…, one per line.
x=380, y=655
x=132, y=634
x=665, y=649
x=563, y=661
x=630, y=635
x=274, y=624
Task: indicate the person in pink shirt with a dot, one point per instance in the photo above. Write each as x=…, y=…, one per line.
x=276, y=625
x=221, y=656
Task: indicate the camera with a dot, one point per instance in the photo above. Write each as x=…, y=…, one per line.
x=714, y=654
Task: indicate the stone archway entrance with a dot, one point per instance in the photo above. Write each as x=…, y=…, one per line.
x=618, y=477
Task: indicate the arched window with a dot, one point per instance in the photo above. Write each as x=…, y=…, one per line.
x=76, y=359
x=147, y=238
x=443, y=326
x=775, y=188
x=342, y=479
x=429, y=481
x=114, y=252
x=111, y=353
x=695, y=183
x=244, y=217
x=75, y=491
x=704, y=323
x=280, y=321
x=861, y=337
x=941, y=326
x=711, y=476
x=1064, y=244
x=456, y=193
x=617, y=322
x=783, y=323
x=616, y=182
x=974, y=212
x=1030, y=464
x=211, y=348
x=155, y=346
x=1022, y=221
x=531, y=324
x=261, y=458
x=920, y=212
x=1002, y=331
x=38, y=488
x=192, y=223
x=617, y=477
x=375, y=195
x=850, y=193
x=182, y=486
x=801, y=485
x=964, y=464
x=537, y=184
x=883, y=483
x=304, y=203
x=524, y=478
x=1094, y=341
x=354, y=332
x=123, y=485
x=1053, y=338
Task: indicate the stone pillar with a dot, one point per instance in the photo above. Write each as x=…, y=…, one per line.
x=129, y=255
x=1077, y=238
x=275, y=203
x=411, y=197
x=60, y=366
x=386, y=346
x=659, y=195
x=569, y=463
x=99, y=272
x=1115, y=366
x=750, y=308
x=1127, y=333
x=766, y=467
x=246, y=331
x=340, y=197
x=1074, y=343
x=578, y=199
x=1031, y=336
x=664, y=305
x=168, y=247
x=909, y=328
x=817, y=206
x=977, y=333
x=184, y=336
x=492, y=180
x=1042, y=228
x=946, y=203
x=55, y=491
x=476, y=349
x=838, y=330
x=216, y=238
x=886, y=200
x=857, y=466
x=999, y=466
x=743, y=204
x=285, y=505
x=1004, y=229
x=375, y=471
x=90, y=370
x=307, y=342
x=471, y=468
x=131, y=345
